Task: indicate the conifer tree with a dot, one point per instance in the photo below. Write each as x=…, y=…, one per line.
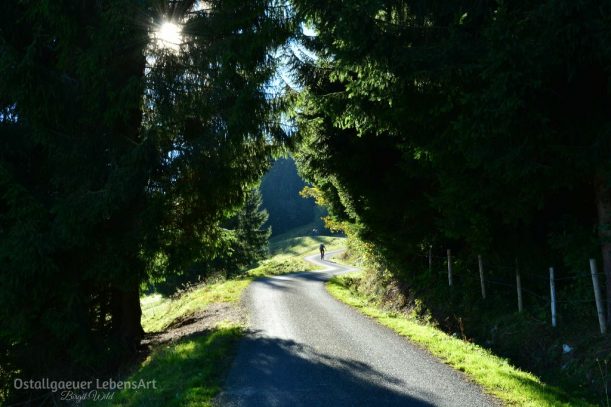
x=252, y=238
x=115, y=150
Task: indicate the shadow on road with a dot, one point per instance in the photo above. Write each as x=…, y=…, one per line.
x=283, y=282
x=277, y=372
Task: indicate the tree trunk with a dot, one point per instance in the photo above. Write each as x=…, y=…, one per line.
x=125, y=294
x=126, y=315
x=603, y=203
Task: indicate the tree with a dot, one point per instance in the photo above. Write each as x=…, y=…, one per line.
x=362, y=116
x=252, y=240
x=116, y=152
x=73, y=184
x=240, y=241
x=479, y=125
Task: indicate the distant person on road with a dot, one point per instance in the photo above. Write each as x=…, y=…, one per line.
x=322, y=251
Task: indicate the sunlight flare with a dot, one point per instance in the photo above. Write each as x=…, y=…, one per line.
x=168, y=36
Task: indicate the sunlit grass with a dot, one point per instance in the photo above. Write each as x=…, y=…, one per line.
x=495, y=374
x=281, y=264
x=159, y=312
x=345, y=259
x=299, y=246
x=187, y=373
x=299, y=231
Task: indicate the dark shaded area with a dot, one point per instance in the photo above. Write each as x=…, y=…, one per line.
x=285, y=373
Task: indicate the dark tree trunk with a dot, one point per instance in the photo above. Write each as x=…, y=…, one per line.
x=603, y=203
x=125, y=294
x=126, y=314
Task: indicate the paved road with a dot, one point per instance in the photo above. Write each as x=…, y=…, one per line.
x=307, y=349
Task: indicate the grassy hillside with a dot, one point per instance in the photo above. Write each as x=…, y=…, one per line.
x=301, y=246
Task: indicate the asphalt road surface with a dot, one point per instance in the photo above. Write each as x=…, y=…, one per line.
x=305, y=348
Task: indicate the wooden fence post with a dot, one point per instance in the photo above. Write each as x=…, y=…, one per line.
x=449, y=268
x=481, y=276
x=552, y=287
x=598, y=297
x=519, y=287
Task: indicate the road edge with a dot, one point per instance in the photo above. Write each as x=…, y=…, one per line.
x=524, y=389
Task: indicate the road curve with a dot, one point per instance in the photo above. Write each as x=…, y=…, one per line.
x=304, y=348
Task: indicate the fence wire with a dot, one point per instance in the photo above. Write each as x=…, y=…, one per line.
x=438, y=265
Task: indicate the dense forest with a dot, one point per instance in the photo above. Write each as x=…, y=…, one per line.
x=481, y=127
x=118, y=150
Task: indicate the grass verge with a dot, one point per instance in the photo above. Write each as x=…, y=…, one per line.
x=187, y=373
x=159, y=312
x=497, y=377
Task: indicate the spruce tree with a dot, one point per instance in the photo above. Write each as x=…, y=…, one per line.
x=252, y=238
x=116, y=150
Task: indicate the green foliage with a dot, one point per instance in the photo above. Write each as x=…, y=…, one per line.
x=443, y=123
x=252, y=239
x=73, y=172
x=241, y=243
x=119, y=159
x=223, y=134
